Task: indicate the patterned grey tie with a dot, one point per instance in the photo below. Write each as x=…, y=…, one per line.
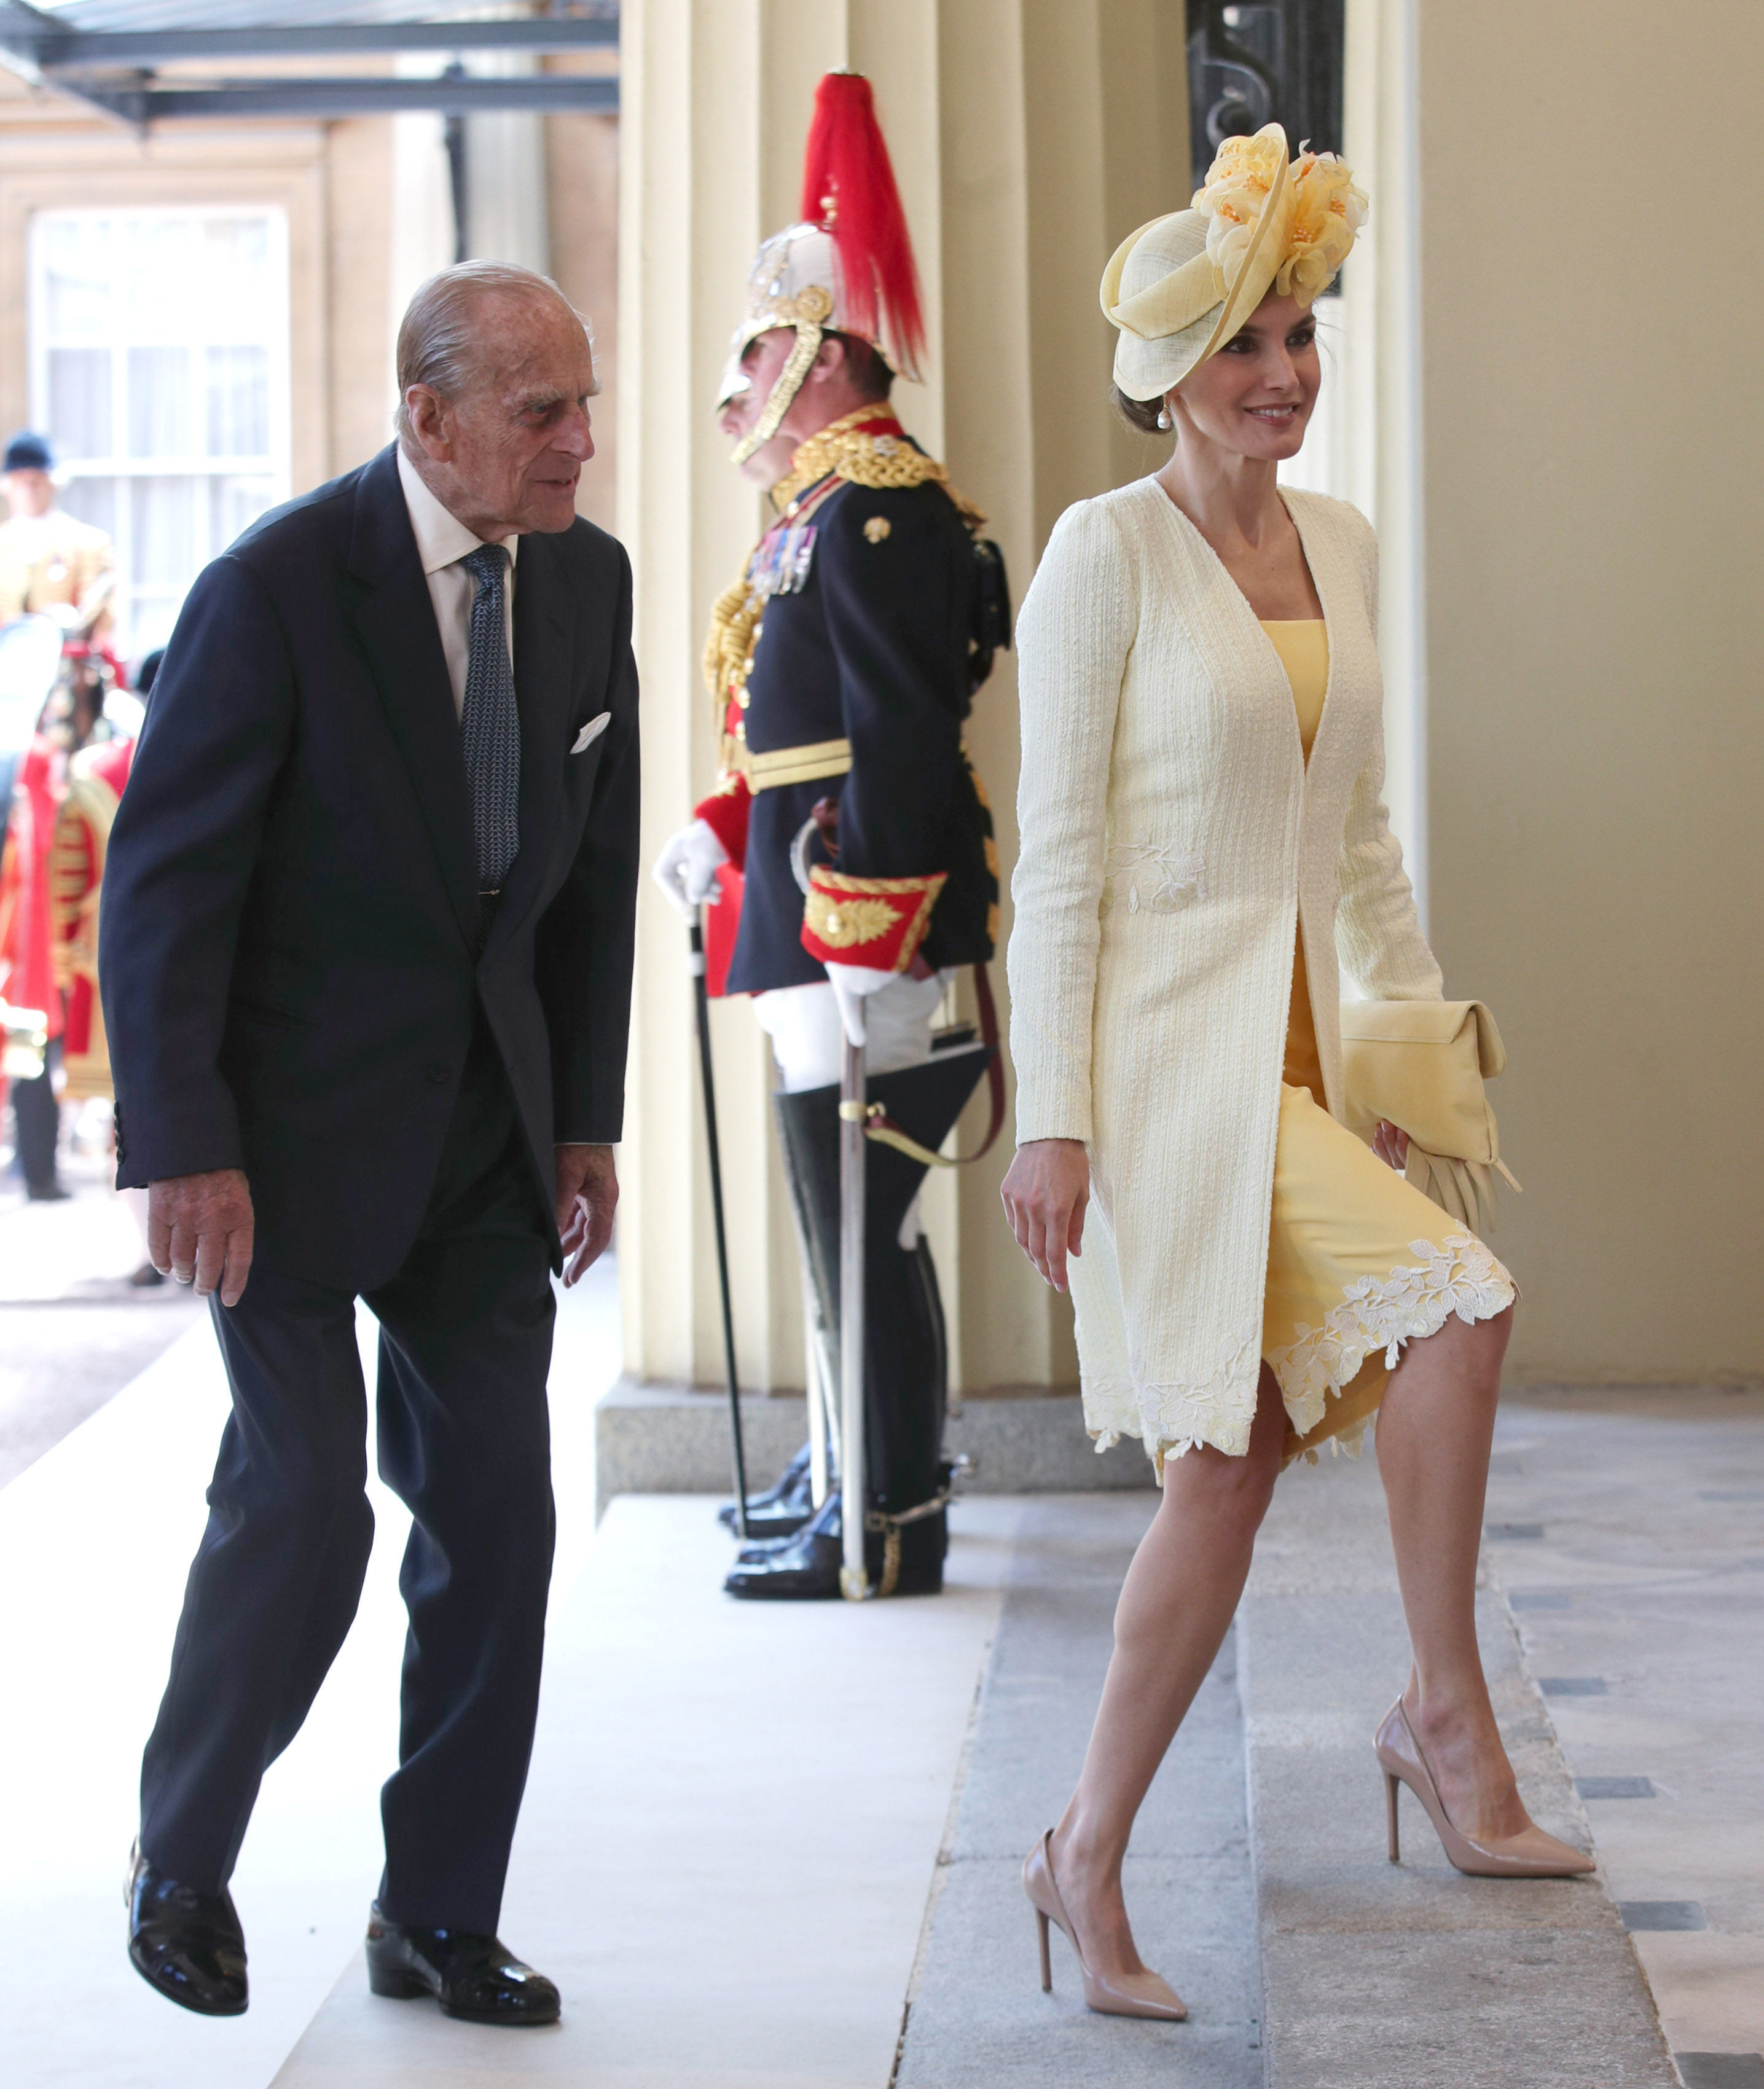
x=489, y=721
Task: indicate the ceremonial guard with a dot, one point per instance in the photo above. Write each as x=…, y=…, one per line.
x=65, y=794
x=846, y=855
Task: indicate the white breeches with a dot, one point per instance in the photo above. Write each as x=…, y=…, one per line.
x=803, y=1023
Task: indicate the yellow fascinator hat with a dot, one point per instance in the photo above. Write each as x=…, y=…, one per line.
x=1179, y=288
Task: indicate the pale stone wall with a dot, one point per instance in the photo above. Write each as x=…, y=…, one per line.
x=1592, y=441
x=582, y=162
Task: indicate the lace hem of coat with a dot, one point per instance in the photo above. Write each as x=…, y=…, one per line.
x=1459, y=1275
x=1170, y=1418
x=1415, y=1300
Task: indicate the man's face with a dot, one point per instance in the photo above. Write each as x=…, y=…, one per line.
x=762, y=362
x=512, y=443
x=28, y=493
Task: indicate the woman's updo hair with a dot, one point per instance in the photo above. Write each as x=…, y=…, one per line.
x=1139, y=414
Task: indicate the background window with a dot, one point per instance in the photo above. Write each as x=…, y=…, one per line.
x=159, y=365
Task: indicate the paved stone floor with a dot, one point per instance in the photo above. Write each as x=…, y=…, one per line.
x=1626, y=1529
x=1383, y=1976
x=73, y=1330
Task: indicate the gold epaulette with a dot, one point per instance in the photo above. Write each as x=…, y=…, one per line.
x=845, y=449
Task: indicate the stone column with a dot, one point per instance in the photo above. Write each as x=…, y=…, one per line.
x=1028, y=137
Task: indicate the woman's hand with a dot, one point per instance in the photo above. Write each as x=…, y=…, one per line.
x=1390, y=1144
x=1045, y=1194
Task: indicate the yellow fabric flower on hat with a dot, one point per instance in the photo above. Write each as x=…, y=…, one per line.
x=1327, y=211
x=1238, y=185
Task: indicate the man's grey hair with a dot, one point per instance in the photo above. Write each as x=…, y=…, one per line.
x=440, y=342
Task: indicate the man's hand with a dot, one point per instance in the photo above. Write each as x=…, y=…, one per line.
x=686, y=869
x=587, y=1196
x=200, y=1229
x=1044, y=1194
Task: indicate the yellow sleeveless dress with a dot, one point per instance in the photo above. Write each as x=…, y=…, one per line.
x=1341, y=1217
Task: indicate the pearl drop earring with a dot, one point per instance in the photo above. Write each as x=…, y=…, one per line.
x=1163, y=417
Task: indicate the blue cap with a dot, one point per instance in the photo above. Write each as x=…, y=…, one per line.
x=28, y=452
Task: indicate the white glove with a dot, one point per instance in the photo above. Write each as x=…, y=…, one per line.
x=686, y=869
x=850, y=985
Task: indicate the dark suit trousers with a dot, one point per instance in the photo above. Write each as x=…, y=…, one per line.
x=464, y=1440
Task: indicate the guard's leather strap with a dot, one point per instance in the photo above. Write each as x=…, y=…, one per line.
x=882, y=1128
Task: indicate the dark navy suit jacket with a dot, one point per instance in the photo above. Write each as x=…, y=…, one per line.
x=291, y=938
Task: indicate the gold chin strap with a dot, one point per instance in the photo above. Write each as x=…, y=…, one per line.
x=807, y=311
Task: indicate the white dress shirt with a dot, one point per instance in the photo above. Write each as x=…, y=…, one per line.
x=443, y=540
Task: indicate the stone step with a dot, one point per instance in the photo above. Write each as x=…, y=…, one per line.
x=1377, y=1976
x=653, y=1440
x=976, y=2016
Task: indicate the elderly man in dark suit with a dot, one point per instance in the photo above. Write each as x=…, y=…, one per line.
x=366, y=952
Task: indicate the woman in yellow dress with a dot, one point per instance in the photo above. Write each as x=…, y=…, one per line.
x=1205, y=852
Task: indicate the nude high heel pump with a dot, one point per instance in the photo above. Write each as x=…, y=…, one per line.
x=1113, y=1995
x=1531, y=1853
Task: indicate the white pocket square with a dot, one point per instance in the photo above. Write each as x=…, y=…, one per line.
x=591, y=731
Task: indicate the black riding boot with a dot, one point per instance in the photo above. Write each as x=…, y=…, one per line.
x=784, y=1507
x=906, y=1367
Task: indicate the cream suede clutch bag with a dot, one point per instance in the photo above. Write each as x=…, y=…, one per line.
x=1421, y=1065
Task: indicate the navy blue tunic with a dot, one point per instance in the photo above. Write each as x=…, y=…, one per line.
x=873, y=646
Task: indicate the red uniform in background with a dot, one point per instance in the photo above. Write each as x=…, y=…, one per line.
x=76, y=872
x=24, y=932
x=50, y=878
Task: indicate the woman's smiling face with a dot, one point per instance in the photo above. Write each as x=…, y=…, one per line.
x=1254, y=396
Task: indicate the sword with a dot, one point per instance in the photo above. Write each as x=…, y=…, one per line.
x=854, y=1583
x=822, y=1373
x=702, y=998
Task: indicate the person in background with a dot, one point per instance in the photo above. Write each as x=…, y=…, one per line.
x=76, y=751
x=96, y=773
x=51, y=564
x=25, y=956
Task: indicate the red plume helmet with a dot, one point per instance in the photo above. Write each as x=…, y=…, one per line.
x=848, y=188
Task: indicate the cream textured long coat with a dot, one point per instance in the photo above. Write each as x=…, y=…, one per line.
x=1173, y=837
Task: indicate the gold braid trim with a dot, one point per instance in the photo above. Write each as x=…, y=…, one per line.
x=845, y=449
x=729, y=651
x=77, y=844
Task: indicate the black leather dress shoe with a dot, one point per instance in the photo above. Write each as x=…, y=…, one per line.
x=188, y=1946
x=783, y=1509
x=475, y=1977
x=805, y=1568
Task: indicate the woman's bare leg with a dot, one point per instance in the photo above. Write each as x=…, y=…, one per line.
x=1177, y=1604
x=1435, y=1429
